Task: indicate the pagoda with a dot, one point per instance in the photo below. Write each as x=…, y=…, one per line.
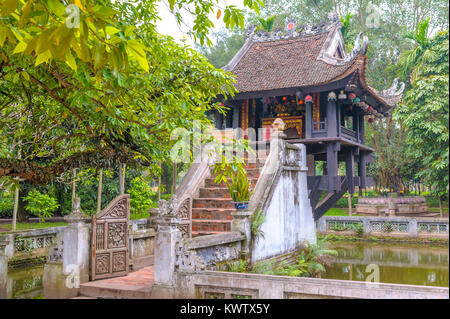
x=306, y=77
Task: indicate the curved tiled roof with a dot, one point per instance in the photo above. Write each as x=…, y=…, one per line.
x=270, y=61
x=285, y=63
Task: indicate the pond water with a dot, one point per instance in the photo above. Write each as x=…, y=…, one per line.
x=24, y=283
x=398, y=263
x=410, y=264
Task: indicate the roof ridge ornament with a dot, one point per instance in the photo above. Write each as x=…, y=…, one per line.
x=392, y=91
x=328, y=56
x=291, y=26
x=290, y=30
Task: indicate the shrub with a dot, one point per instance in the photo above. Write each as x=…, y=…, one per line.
x=238, y=266
x=6, y=207
x=343, y=202
x=257, y=220
x=40, y=205
x=140, y=196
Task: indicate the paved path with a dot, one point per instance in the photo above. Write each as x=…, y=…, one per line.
x=137, y=284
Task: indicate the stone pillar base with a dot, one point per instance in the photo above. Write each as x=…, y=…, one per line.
x=161, y=291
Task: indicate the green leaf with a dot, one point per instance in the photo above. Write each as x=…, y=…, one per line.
x=9, y=6
x=70, y=60
x=56, y=6
x=20, y=47
x=43, y=57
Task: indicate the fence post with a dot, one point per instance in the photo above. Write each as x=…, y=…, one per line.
x=76, y=251
x=242, y=222
x=3, y=269
x=413, y=228
x=167, y=237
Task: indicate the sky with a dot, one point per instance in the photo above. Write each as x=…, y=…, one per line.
x=168, y=24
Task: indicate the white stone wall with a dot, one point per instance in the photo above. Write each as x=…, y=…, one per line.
x=289, y=218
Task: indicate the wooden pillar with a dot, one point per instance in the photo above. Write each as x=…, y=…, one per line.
x=332, y=166
x=362, y=134
x=349, y=169
x=308, y=119
x=331, y=115
x=338, y=116
x=236, y=110
x=311, y=165
x=244, y=118
x=316, y=110
x=362, y=169
x=253, y=114
x=218, y=117
x=356, y=123
x=236, y=114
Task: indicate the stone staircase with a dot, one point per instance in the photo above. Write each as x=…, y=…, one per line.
x=211, y=211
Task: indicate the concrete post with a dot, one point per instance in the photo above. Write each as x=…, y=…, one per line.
x=76, y=251
x=242, y=222
x=322, y=225
x=413, y=228
x=366, y=226
x=167, y=237
x=3, y=269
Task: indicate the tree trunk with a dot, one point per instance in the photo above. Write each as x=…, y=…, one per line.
x=22, y=215
x=174, y=178
x=99, y=191
x=441, y=210
x=73, y=186
x=16, y=207
x=350, y=204
x=121, y=178
x=159, y=188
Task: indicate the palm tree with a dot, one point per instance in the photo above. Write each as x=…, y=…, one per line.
x=411, y=62
x=267, y=24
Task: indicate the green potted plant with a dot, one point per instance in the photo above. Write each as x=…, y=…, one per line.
x=231, y=171
x=240, y=192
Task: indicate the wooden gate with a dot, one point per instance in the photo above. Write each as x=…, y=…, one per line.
x=110, y=244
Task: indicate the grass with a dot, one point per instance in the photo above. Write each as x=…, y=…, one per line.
x=140, y=215
x=385, y=239
x=436, y=210
x=27, y=226
x=339, y=212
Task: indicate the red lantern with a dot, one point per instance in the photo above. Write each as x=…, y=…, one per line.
x=284, y=98
x=370, y=109
x=308, y=98
x=351, y=96
x=370, y=120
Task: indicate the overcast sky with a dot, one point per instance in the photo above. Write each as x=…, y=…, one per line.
x=168, y=24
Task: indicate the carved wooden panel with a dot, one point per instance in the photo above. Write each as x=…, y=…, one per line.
x=110, y=251
x=184, y=212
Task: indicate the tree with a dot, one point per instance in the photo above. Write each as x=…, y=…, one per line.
x=412, y=61
x=92, y=84
x=425, y=114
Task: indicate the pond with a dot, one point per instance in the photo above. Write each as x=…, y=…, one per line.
x=24, y=283
x=410, y=264
x=398, y=263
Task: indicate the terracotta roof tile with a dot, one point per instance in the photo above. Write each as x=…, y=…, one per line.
x=284, y=64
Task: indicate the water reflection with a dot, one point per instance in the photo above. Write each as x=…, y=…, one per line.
x=401, y=264
x=24, y=283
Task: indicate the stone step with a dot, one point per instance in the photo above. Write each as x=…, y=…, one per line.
x=253, y=173
x=104, y=290
x=212, y=213
x=209, y=182
x=203, y=233
x=214, y=192
x=213, y=203
x=211, y=225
